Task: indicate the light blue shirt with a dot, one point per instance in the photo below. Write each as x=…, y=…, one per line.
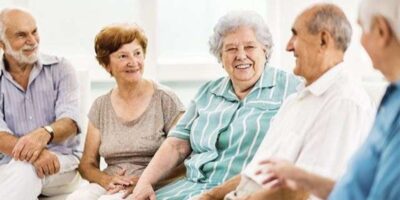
x=375, y=172
x=52, y=94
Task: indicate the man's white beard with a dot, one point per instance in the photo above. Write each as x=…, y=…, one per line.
x=19, y=55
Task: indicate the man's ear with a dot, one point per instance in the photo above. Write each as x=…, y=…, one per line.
x=2, y=45
x=324, y=39
x=383, y=30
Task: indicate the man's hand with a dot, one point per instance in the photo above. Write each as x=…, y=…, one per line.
x=204, y=196
x=47, y=164
x=280, y=173
x=29, y=147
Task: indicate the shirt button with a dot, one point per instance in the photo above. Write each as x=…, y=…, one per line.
x=30, y=117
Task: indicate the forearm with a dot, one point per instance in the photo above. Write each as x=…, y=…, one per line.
x=164, y=161
x=94, y=175
x=220, y=191
x=317, y=185
x=63, y=129
x=7, y=143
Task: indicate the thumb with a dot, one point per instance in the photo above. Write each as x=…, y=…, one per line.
x=122, y=172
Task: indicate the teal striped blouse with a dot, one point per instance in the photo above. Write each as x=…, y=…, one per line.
x=225, y=132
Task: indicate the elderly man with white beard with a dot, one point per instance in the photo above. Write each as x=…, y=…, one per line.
x=38, y=114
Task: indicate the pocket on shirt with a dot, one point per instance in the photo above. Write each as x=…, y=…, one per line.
x=266, y=105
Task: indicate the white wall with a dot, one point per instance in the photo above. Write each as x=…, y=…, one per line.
x=178, y=32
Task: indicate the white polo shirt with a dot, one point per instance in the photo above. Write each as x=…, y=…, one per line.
x=319, y=127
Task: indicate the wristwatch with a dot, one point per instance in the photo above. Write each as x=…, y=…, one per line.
x=49, y=130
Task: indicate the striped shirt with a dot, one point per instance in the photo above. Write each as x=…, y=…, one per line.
x=224, y=131
x=52, y=94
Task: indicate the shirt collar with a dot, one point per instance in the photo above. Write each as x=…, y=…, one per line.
x=225, y=88
x=321, y=85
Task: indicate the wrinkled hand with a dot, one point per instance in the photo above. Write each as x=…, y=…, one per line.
x=120, y=182
x=29, y=147
x=143, y=191
x=279, y=173
x=47, y=164
x=204, y=196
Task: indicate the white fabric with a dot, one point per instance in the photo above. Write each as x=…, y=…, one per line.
x=93, y=191
x=319, y=127
x=19, y=181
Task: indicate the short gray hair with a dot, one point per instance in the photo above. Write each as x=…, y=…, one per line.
x=2, y=27
x=331, y=18
x=232, y=21
x=390, y=9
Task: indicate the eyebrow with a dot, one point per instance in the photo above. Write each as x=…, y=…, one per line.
x=125, y=51
x=294, y=32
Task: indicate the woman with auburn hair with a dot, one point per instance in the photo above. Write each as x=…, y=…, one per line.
x=128, y=124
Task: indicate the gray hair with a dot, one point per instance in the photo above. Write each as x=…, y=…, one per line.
x=232, y=21
x=390, y=9
x=2, y=27
x=332, y=19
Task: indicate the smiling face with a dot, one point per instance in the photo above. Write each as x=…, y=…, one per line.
x=21, y=38
x=126, y=64
x=305, y=46
x=243, y=57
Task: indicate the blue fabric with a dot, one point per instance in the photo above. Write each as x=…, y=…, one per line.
x=374, y=173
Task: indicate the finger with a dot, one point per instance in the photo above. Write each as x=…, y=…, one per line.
x=114, y=190
x=17, y=151
x=56, y=166
x=122, y=172
x=46, y=170
x=39, y=172
x=34, y=157
x=269, y=161
x=153, y=196
x=51, y=168
x=126, y=193
x=122, y=181
x=25, y=154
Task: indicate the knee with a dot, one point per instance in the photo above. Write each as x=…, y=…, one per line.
x=90, y=191
x=23, y=172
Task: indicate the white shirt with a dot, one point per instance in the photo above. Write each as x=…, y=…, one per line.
x=319, y=127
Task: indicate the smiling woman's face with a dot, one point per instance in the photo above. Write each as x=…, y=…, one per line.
x=243, y=57
x=127, y=62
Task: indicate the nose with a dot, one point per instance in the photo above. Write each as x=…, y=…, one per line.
x=289, y=46
x=131, y=61
x=32, y=39
x=241, y=53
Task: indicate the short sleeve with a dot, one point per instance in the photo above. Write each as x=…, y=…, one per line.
x=94, y=113
x=172, y=107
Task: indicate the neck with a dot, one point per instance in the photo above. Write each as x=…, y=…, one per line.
x=131, y=90
x=392, y=72
x=15, y=67
x=241, y=91
x=330, y=60
x=390, y=64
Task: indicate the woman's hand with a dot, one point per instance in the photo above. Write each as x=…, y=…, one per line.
x=143, y=191
x=119, y=182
